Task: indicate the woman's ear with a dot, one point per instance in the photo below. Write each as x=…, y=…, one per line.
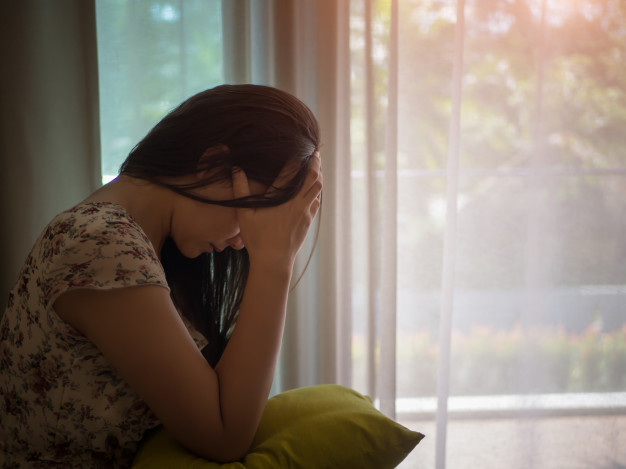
x=204, y=162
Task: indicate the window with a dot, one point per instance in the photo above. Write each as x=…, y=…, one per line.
x=151, y=55
x=538, y=325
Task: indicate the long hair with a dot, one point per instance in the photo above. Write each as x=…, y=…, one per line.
x=256, y=128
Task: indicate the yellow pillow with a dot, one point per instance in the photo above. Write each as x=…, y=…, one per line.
x=324, y=426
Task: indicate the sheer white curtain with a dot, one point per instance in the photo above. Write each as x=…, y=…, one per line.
x=470, y=273
x=488, y=222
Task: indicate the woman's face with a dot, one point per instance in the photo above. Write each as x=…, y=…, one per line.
x=198, y=227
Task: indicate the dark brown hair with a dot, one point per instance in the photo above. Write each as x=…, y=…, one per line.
x=256, y=128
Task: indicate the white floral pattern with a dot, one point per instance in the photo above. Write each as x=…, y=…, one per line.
x=61, y=403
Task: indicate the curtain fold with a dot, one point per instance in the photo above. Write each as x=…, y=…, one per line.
x=333, y=108
x=389, y=251
x=303, y=48
x=448, y=275
x=236, y=41
x=49, y=123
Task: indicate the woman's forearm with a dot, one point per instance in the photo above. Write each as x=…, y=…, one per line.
x=246, y=368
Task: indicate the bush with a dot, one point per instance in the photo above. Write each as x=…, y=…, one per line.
x=489, y=361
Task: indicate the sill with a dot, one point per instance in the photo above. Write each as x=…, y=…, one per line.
x=518, y=406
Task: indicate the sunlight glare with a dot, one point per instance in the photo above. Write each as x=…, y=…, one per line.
x=557, y=11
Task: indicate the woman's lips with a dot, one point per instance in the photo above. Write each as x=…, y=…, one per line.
x=235, y=242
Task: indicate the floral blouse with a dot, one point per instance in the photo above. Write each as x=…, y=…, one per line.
x=61, y=403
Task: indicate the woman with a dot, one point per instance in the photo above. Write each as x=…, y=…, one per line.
x=101, y=338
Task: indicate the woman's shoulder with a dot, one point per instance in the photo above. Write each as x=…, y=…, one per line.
x=98, y=242
x=94, y=222
x=94, y=245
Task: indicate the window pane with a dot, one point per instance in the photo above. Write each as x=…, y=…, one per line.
x=541, y=294
x=539, y=323
x=540, y=263
x=151, y=56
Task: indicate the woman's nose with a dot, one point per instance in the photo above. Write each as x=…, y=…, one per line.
x=236, y=242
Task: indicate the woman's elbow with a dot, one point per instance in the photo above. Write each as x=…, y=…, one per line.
x=225, y=448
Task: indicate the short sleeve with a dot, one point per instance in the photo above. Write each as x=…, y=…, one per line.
x=97, y=248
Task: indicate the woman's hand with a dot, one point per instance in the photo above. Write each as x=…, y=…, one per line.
x=275, y=234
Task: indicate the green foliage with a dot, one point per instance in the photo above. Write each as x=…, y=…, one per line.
x=542, y=121
x=547, y=88
x=486, y=361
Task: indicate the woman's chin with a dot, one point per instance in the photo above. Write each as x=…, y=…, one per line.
x=193, y=253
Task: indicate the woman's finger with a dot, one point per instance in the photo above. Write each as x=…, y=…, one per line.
x=241, y=188
x=313, y=187
x=315, y=205
x=287, y=173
